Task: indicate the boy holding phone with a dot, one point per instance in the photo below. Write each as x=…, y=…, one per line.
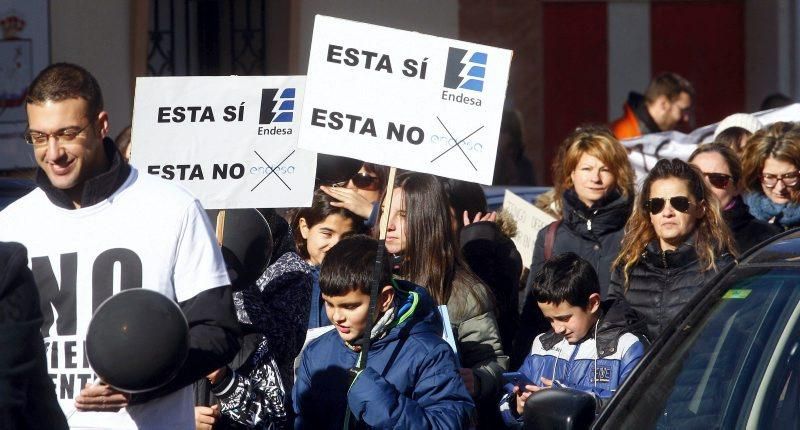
x=592, y=346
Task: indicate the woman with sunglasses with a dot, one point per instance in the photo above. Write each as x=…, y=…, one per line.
x=675, y=241
x=771, y=170
x=723, y=173
x=593, y=184
x=361, y=193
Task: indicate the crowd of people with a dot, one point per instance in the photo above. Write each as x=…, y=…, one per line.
x=615, y=268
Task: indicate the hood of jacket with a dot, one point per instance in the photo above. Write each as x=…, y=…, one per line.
x=415, y=312
x=616, y=319
x=638, y=105
x=607, y=215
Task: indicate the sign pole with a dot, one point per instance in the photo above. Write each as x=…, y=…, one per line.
x=375, y=287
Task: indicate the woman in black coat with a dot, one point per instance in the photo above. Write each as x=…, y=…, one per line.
x=723, y=174
x=593, y=184
x=675, y=242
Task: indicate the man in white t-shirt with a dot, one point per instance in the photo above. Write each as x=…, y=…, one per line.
x=96, y=226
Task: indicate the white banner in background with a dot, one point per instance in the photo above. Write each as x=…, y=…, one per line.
x=230, y=140
x=530, y=220
x=648, y=149
x=404, y=99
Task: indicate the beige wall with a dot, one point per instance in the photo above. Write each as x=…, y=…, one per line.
x=439, y=18
x=96, y=35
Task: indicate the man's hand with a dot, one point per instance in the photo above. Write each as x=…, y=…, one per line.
x=491, y=217
x=101, y=398
x=350, y=200
x=469, y=380
x=206, y=417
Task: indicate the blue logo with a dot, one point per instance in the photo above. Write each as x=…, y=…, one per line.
x=276, y=108
x=465, y=70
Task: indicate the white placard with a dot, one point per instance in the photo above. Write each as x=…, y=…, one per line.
x=404, y=99
x=530, y=220
x=230, y=140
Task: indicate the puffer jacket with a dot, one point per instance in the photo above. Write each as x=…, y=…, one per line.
x=663, y=282
x=747, y=230
x=411, y=380
x=474, y=324
x=599, y=364
x=593, y=234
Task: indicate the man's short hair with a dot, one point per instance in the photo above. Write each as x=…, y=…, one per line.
x=566, y=277
x=62, y=81
x=668, y=84
x=349, y=264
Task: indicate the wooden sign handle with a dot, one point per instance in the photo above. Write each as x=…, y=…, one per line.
x=220, y=226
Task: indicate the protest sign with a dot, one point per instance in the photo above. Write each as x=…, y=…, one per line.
x=230, y=140
x=530, y=220
x=404, y=99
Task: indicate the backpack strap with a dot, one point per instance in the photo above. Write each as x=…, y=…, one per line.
x=550, y=239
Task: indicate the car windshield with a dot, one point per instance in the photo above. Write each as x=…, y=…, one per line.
x=710, y=374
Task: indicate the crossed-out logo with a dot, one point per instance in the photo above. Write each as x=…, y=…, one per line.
x=465, y=70
x=447, y=141
x=277, y=106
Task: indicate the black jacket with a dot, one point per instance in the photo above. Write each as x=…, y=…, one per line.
x=27, y=395
x=492, y=256
x=593, y=234
x=747, y=230
x=662, y=283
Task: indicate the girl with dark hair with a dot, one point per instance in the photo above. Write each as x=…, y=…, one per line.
x=771, y=171
x=316, y=229
x=422, y=239
x=675, y=241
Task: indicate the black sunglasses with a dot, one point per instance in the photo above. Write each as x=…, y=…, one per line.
x=718, y=180
x=365, y=182
x=657, y=204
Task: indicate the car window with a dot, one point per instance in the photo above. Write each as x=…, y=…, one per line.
x=702, y=376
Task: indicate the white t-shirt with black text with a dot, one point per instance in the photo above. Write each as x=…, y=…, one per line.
x=150, y=234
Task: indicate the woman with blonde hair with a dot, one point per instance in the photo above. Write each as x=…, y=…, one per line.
x=594, y=190
x=771, y=171
x=675, y=241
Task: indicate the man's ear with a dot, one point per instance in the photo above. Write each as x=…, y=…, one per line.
x=386, y=298
x=102, y=123
x=594, y=303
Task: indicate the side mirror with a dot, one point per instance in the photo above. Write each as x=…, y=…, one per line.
x=560, y=408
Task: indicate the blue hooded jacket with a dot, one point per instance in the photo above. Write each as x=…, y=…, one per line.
x=411, y=379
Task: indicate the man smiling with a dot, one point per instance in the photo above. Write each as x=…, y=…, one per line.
x=95, y=227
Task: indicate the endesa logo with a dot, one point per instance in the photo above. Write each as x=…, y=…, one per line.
x=276, y=107
x=465, y=70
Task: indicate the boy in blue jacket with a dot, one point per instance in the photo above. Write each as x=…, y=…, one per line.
x=411, y=379
x=593, y=345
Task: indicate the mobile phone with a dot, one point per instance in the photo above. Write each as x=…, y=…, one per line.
x=515, y=379
x=558, y=384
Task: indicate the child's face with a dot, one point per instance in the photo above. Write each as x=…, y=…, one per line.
x=396, y=233
x=322, y=236
x=348, y=313
x=573, y=322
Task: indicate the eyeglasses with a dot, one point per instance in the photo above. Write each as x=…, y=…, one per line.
x=37, y=138
x=788, y=179
x=718, y=180
x=657, y=204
